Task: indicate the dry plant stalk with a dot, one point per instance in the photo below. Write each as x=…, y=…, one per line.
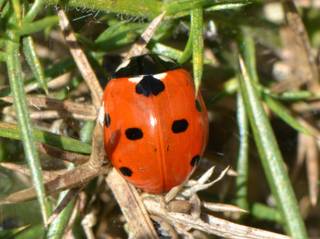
x=81, y=60
x=131, y=206
x=212, y=225
x=185, y=221
x=57, y=108
x=63, y=155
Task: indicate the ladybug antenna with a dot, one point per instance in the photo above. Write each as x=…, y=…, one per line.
x=139, y=47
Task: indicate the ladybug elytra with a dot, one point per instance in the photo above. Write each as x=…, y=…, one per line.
x=155, y=129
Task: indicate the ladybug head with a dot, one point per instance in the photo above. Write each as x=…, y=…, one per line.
x=147, y=64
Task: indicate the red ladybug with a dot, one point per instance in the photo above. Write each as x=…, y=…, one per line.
x=155, y=130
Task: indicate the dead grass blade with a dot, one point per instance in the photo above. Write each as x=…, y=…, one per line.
x=74, y=178
x=81, y=60
x=62, y=109
x=140, y=225
x=63, y=155
x=211, y=225
x=24, y=170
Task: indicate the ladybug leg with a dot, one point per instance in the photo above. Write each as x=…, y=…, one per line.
x=177, y=189
x=201, y=184
x=88, y=223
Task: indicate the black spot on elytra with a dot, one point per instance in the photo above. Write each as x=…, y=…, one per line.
x=134, y=133
x=198, y=106
x=195, y=160
x=107, y=120
x=126, y=171
x=147, y=64
x=179, y=126
x=149, y=86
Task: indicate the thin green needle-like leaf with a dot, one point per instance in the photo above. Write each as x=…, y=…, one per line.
x=243, y=159
x=118, y=30
x=270, y=155
x=11, y=131
x=285, y=115
x=263, y=212
x=292, y=95
x=37, y=6
x=36, y=231
x=177, y=7
x=34, y=62
x=11, y=233
x=164, y=50
x=17, y=89
x=17, y=10
x=148, y=8
x=227, y=6
x=249, y=52
x=197, y=45
x=37, y=26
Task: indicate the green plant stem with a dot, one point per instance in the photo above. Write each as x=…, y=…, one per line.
x=11, y=131
x=145, y=8
x=263, y=212
x=34, y=62
x=271, y=157
x=187, y=52
x=37, y=6
x=197, y=45
x=283, y=113
x=37, y=26
x=17, y=89
x=243, y=159
x=148, y=8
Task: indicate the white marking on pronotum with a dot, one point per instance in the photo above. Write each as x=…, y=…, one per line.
x=101, y=115
x=160, y=76
x=136, y=79
x=123, y=65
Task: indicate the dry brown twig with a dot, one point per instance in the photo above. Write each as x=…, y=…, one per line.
x=184, y=222
x=57, y=108
x=56, y=83
x=23, y=169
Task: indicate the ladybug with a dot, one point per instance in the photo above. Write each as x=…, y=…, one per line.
x=155, y=128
